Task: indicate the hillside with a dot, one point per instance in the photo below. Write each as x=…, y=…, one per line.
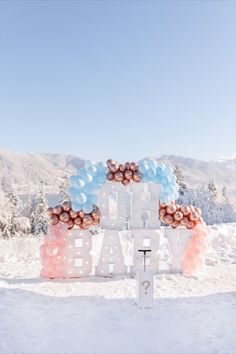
x=25, y=171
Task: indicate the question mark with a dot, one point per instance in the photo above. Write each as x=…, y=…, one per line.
x=147, y=285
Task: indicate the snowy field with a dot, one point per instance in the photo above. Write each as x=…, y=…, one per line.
x=97, y=315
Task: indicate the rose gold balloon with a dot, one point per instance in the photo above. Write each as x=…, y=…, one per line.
x=66, y=206
x=193, y=216
x=190, y=224
x=64, y=217
x=81, y=214
x=136, y=176
x=88, y=220
x=184, y=221
x=200, y=220
x=122, y=168
x=57, y=210
x=178, y=215
x=185, y=210
x=171, y=209
x=119, y=176
x=84, y=226
x=70, y=224
x=95, y=215
x=125, y=182
x=162, y=205
x=73, y=214
x=127, y=165
x=128, y=174
x=162, y=212
x=168, y=219
x=191, y=207
x=175, y=224
x=114, y=167
x=110, y=162
x=77, y=221
x=133, y=167
x=162, y=218
x=54, y=219
x=198, y=210
x=110, y=176
x=50, y=211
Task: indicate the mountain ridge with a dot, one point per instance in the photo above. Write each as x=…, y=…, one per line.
x=23, y=172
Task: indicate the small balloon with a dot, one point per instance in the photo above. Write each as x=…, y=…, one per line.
x=133, y=167
x=175, y=224
x=54, y=219
x=88, y=220
x=193, y=216
x=74, y=214
x=122, y=168
x=127, y=165
x=178, y=215
x=70, y=224
x=110, y=162
x=114, y=167
x=77, y=221
x=81, y=214
x=64, y=217
x=185, y=210
x=110, y=176
x=125, y=182
x=162, y=212
x=168, y=219
x=171, y=209
x=66, y=206
x=128, y=174
x=57, y=210
x=50, y=211
x=119, y=176
x=137, y=177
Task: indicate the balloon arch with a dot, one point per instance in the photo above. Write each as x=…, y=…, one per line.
x=136, y=196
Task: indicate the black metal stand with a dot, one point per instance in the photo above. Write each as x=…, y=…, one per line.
x=144, y=255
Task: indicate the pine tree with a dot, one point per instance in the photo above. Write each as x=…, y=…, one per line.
x=212, y=190
x=225, y=194
x=64, y=190
x=180, y=179
x=39, y=217
x=12, y=213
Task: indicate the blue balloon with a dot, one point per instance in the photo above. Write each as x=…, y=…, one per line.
x=80, y=183
x=101, y=178
x=143, y=167
x=75, y=206
x=73, y=192
x=151, y=173
x=93, y=199
x=87, y=208
x=81, y=198
x=92, y=170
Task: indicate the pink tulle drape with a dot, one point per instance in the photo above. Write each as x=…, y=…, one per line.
x=52, y=252
x=194, y=256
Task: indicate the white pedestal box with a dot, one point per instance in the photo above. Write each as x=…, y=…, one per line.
x=178, y=240
x=144, y=288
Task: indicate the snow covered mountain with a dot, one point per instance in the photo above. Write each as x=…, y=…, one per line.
x=25, y=171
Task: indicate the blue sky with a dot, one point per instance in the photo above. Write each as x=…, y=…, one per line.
x=121, y=79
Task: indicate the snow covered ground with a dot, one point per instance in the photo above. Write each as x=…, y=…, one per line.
x=97, y=315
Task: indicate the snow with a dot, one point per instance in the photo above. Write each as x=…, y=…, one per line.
x=98, y=315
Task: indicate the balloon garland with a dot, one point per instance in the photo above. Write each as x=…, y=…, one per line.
x=65, y=214
x=178, y=215
x=125, y=174
x=83, y=211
